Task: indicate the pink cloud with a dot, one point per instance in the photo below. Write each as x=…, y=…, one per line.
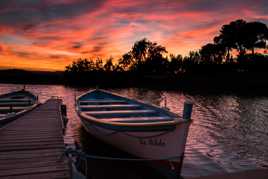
x=82, y=28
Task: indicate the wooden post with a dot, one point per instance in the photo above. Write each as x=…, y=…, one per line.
x=63, y=110
x=64, y=118
x=180, y=167
x=187, y=110
x=86, y=168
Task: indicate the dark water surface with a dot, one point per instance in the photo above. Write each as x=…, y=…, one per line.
x=229, y=132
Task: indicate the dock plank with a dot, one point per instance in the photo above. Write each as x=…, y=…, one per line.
x=32, y=145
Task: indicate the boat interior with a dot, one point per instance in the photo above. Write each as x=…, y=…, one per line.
x=15, y=102
x=112, y=108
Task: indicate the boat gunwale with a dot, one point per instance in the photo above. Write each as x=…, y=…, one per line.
x=91, y=118
x=18, y=91
x=7, y=119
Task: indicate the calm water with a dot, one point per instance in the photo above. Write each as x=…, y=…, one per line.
x=229, y=133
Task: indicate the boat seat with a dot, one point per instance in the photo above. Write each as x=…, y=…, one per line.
x=102, y=102
x=14, y=109
x=9, y=100
x=16, y=103
x=139, y=119
x=110, y=107
x=18, y=97
x=121, y=113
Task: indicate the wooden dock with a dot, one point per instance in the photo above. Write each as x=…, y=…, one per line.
x=32, y=145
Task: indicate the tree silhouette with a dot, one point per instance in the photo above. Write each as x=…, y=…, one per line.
x=109, y=66
x=147, y=61
x=155, y=51
x=175, y=64
x=80, y=66
x=152, y=57
x=194, y=57
x=255, y=36
x=212, y=53
x=231, y=36
x=126, y=61
x=242, y=35
x=139, y=50
x=99, y=64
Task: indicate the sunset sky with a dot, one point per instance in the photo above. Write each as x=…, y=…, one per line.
x=50, y=34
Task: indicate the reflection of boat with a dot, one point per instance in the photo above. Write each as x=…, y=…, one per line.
x=143, y=130
x=15, y=104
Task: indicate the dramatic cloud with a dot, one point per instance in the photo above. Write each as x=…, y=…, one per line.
x=1, y=49
x=55, y=32
x=77, y=44
x=32, y=12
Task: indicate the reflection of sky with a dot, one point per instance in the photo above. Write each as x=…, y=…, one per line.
x=53, y=33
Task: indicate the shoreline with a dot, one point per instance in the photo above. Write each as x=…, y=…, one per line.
x=246, y=83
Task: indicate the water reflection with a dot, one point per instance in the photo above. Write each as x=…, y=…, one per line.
x=229, y=133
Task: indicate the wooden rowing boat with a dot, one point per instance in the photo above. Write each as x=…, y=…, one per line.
x=14, y=104
x=141, y=129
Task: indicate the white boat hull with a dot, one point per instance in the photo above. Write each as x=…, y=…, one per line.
x=157, y=145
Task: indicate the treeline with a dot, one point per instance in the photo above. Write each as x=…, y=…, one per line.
x=232, y=58
x=30, y=77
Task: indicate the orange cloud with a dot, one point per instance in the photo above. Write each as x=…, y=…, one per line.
x=49, y=35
